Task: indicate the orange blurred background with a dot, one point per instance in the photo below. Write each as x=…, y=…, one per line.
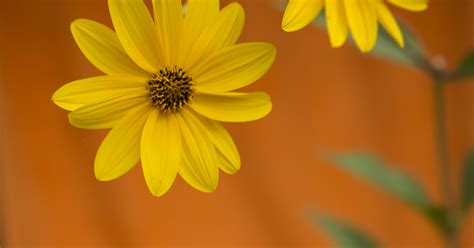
x=324, y=98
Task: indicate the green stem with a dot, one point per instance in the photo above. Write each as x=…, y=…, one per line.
x=443, y=162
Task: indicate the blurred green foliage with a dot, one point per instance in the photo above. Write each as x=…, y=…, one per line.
x=342, y=234
x=465, y=69
x=389, y=179
x=468, y=182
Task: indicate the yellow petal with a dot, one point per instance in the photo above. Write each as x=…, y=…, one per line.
x=102, y=48
x=362, y=18
x=78, y=93
x=413, y=5
x=168, y=22
x=389, y=23
x=223, y=32
x=232, y=106
x=120, y=150
x=300, y=13
x=336, y=20
x=234, y=67
x=200, y=164
x=106, y=112
x=136, y=32
x=199, y=15
x=228, y=158
x=160, y=150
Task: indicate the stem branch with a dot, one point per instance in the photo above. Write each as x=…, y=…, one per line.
x=443, y=162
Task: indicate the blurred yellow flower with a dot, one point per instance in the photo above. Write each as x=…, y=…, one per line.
x=360, y=16
x=168, y=82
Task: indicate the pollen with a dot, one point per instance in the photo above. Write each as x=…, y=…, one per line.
x=170, y=89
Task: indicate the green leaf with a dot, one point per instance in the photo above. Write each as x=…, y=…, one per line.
x=386, y=178
x=343, y=235
x=412, y=54
x=465, y=69
x=468, y=182
x=439, y=217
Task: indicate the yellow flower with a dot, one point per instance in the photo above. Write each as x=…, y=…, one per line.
x=360, y=16
x=168, y=82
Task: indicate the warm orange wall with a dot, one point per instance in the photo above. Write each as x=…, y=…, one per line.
x=323, y=99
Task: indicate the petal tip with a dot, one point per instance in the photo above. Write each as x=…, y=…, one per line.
x=78, y=24
x=238, y=10
x=205, y=187
x=401, y=42
x=299, y=14
x=336, y=42
x=266, y=108
x=411, y=6
x=235, y=5
x=55, y=97
x=210, y=188
x=75, y=23
x=269, y=109
x=158, y=190
x=233, y=170
x=57, y=103
x=231, y=167
x=237, y=165
x=102, y=175
x=366, y=47
x=270, y=50
x=288, y=27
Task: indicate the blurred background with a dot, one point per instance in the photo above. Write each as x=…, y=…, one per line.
x=323, y=98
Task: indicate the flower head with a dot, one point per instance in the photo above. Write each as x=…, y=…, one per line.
x=360, y=16
x=170, y=79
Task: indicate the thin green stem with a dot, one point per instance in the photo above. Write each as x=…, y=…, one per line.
x=443, y=163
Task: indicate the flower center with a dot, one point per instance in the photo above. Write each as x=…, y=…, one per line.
x=170, y=89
